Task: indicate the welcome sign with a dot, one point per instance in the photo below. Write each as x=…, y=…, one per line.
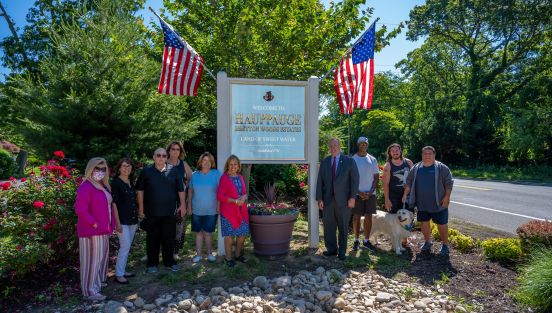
x=268, y=121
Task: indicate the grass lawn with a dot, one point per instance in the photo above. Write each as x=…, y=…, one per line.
x=541, y=173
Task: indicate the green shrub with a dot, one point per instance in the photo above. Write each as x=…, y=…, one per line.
x=7, y=164
x=535, y=234
x=535, y=281
x=290, y=179
x=463, y=243
x=502, y=249
x=435, y=232
x=38, y=221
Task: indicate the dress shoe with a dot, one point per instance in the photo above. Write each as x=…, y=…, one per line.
x=327, y=253
x=342, y=257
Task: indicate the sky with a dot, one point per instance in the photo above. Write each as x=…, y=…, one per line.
x=390, y=12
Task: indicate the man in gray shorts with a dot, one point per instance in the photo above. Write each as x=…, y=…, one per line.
x=365, y=204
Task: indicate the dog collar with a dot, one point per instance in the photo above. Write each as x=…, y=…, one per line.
x=408, y=227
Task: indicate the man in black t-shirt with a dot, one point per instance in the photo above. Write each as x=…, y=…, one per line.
x=161, y=198
x=394, y=177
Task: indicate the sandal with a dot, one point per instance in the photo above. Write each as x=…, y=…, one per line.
x=121, y=280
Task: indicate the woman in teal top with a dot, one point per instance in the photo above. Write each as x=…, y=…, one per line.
x=204, y=205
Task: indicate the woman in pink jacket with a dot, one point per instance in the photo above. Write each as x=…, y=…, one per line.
x=234, y=219
x=96, y=222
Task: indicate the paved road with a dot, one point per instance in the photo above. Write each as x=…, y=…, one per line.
x=500, y=205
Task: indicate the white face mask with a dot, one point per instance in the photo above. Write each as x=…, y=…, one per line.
x=97, y=175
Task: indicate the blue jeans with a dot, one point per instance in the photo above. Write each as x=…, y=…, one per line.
x=125, y=241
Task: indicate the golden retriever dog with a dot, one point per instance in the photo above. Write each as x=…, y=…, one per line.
x=393, y=226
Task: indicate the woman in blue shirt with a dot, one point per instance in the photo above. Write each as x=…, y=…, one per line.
x=204, y=205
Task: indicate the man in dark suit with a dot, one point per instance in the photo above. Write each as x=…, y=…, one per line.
x=336, y=190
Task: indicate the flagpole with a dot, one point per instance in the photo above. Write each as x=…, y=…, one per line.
x=348, y=50
x=177, y=37
x=349, y=134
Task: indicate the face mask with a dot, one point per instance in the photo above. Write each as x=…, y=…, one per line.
x=98, y=175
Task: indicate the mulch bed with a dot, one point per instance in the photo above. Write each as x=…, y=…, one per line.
x=484, y=285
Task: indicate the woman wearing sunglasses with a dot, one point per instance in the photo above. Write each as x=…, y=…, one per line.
x=176, y=155
x=96, y=221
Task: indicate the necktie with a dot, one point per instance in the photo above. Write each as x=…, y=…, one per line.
x=333, y=168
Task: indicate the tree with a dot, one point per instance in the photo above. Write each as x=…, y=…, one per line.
x=97, y=94
x=495, y=38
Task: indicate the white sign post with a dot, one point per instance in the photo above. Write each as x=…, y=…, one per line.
x=270, y=122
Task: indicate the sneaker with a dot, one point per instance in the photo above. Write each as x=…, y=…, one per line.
x=356, y=245
x=196, y=259
x=152, y=269
x=426, y=246
x=229, y=263
x=96, y=297
x=211, y=258
x=175, y=268
x=444, y=250
x=241, y=258
x=368, y=245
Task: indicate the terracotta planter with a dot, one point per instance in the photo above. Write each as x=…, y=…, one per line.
x=271, y=234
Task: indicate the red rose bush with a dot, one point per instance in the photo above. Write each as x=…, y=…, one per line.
x=37, y=219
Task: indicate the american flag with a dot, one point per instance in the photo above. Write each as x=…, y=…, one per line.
x=182, y=65
x=354, y=78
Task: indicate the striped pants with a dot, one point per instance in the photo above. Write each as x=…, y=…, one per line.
x=94, y=256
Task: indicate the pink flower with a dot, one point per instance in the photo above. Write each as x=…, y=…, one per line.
x=6, y=185
x=32, y=234
x=59, y=154
x=302, y=184
x=18, y=248
x=13, y=178
x=50, y=224
x=38, y=204
x=23, y=179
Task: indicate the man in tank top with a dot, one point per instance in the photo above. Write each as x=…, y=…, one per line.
x=395, y=172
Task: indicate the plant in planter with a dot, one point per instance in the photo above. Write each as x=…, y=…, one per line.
x=271, y=223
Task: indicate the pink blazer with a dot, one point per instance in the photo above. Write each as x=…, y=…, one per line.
x=232, y=212
x=91, y=208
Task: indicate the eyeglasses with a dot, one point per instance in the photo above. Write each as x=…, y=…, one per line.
x=159, y=155
x=100, y=169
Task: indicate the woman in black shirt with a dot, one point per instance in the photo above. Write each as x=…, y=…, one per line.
x=126, y=207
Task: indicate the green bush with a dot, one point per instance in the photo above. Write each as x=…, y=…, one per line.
x=502, y=249
x=535, y=234
x=463, y=243
x=7, y=164
x=290, y=179
x=535, y=281
x=38, y=221
x=435, y=232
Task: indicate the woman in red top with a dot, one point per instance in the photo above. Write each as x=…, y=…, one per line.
x=234, y=219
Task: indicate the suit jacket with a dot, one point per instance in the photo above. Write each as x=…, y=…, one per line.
x=345, y=185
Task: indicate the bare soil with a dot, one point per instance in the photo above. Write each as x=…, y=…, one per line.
x=482, y=285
